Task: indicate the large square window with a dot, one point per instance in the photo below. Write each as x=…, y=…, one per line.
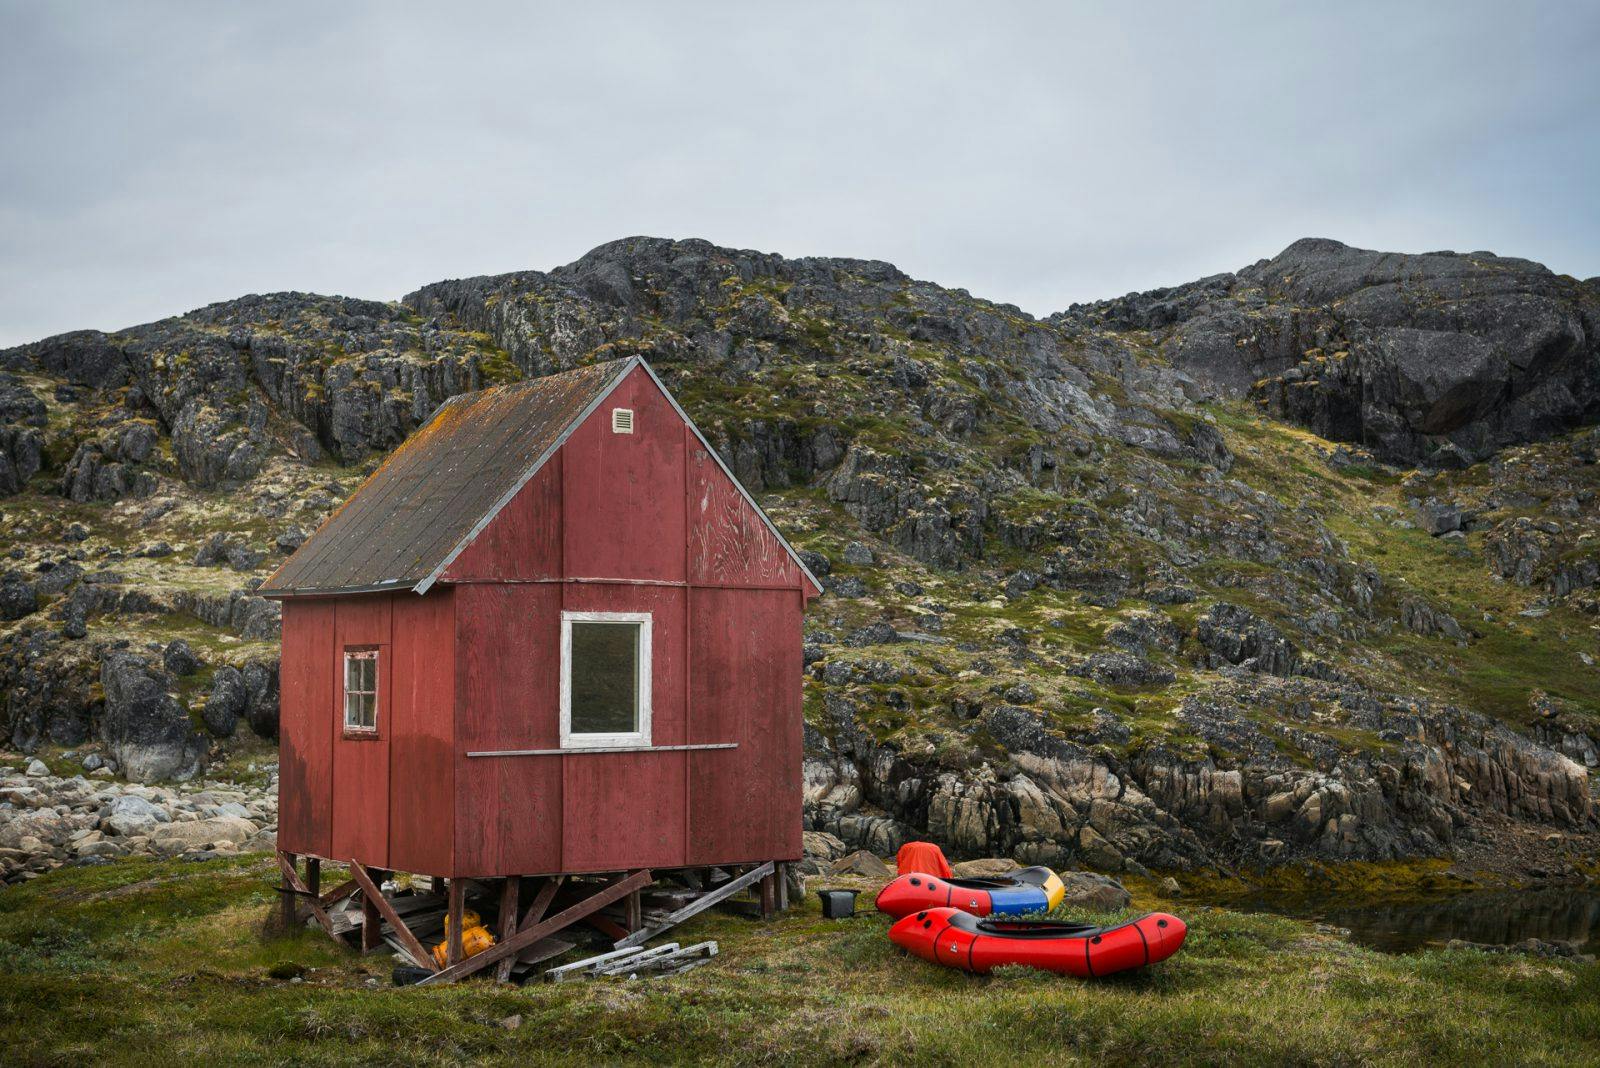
x=605, y=679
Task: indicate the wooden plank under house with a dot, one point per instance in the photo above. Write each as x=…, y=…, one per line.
x=548, y=656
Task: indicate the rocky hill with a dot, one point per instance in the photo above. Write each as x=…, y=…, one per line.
x=1293, y=563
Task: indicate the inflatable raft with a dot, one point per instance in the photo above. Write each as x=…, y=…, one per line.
x=1013, y=894
x=956, y=939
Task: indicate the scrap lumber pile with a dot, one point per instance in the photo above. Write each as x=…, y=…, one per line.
x=636, y=961
x=449, y=929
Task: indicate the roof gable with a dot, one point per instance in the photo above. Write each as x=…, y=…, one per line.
x=447, y=482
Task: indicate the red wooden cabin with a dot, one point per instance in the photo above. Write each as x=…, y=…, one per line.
x=551, y=634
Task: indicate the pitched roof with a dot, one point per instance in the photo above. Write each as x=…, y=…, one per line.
x=444, y=484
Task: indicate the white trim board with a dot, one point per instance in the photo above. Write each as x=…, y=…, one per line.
x=644, y=667
x=693, y=748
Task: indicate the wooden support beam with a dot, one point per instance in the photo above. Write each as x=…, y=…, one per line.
x=286, y=900
x=452, y=924
x=297, y=889
x=694, y=908
x=769, y=894
x=339, y=893
x=536, y=910
x=370, y=891
x=783, y=887
x=510, y=904
x=371, y=925
x=541, y=902
x=633, y=911
x=513, y=946
x=314, y=877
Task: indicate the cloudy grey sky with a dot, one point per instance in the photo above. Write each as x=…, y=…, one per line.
x=156, y=157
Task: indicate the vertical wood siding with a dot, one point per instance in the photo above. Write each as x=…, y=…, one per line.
x=508, y=814
x=745, y=687
x=305, y=729
x=729, y=545
x=623, y=515
x=524, y=540
x=361, y=765
x=628, y=809
x=422, y=772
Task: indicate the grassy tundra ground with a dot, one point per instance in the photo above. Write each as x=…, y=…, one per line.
x=165, y=961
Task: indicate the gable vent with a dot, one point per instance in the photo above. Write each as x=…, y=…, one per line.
x=622, y=420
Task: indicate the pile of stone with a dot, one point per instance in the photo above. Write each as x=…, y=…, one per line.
x=47, y=821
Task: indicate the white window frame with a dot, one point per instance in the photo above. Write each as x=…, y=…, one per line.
x=640, y=737
x=372, y=653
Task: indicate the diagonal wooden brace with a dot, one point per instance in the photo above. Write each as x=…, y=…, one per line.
x=699, y=905
x=371, y=893
x=293, y=885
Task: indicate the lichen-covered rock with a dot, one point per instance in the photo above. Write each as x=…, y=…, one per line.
x=1441, y=357
x=261, y=697
x=226, y=703
x=21, y=457
x=1419, y=617
x=179, y=658
x=144, y=726
x=18, y=596
x=1237, y=636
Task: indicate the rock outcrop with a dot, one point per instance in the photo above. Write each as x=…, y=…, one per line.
x=1441, y=357
x=145, y=727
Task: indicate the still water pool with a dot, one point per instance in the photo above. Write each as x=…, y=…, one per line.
x=1567, y=914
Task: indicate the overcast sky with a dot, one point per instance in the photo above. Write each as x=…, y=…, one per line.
x=156, y=157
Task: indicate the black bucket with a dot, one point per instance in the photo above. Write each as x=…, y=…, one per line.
x=838, y=904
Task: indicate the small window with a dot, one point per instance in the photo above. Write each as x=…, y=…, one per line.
x=605, y=679
x=622, y=420
x=361, y=690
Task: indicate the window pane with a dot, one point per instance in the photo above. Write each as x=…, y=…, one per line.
x=352, y=674
x=369, y=710
x=605, y=678
x=369, y=674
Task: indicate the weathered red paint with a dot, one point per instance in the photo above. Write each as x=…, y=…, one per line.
x=641, y=522
x=746, y=654
x=305, y=727
x=422, y=722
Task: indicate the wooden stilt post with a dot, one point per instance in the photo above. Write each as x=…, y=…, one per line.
x=371, y=918
x=286, y=900
x=769, y=894
x=452, y=936
x=783, y=887
x=535, y=913
x=510, y=906
x=295, y=889
x=633, y=911
x=314, y=876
